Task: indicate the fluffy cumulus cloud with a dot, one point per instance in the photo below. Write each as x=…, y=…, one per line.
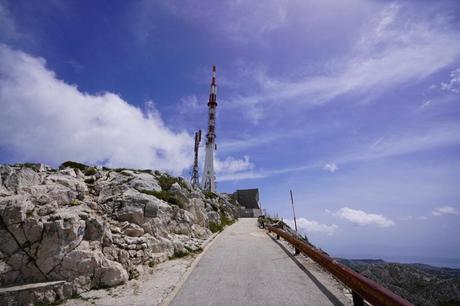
x=331, y=167
x=45, y=119
x=361, y=217
x=310, y=226
x=445, y=210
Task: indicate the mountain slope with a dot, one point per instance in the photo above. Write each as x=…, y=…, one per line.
x=418, y=283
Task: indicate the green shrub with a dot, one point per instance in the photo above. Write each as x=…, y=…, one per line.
x=194, y=251
x=224, y=220
x=90, y=171
x=74, y=202
x=162, y=195
x=183, y=184
x=179, y=254
x=151, y=263
x=233, y=201
x=215, y=227
x=210, y=194
x=165, y=196
x=74, y=165
x=166, y=181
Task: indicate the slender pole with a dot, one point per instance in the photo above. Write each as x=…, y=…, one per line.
x=293, y=211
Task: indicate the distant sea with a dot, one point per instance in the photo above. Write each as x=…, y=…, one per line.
x=432, y=261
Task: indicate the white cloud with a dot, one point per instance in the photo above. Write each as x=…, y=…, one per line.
x=232, y=165
x=310, y=226
x=454, y=83
x=422, y=139
x=378, y=141
x=425, y=105
x=445, y=210
x=390, y=53
x=190, y=104
x=234, y=19
x=231, y=169
x=360, y=217
x=384, y=147
x=7, y=23
x=45, y=119
x=331, y=167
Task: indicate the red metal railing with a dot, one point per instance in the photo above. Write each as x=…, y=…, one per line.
x=361, y=286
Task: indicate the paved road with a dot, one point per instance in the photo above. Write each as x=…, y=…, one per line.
x=244, y=266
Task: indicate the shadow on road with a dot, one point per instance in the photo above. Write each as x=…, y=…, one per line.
x=318, y=284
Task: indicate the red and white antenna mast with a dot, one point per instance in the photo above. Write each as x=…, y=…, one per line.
x=209, y=178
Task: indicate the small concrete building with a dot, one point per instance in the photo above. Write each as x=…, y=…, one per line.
x=249, y=200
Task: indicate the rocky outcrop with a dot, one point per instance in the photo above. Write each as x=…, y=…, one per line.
x=97, y=227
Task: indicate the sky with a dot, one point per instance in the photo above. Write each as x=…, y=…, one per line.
x=354, y=105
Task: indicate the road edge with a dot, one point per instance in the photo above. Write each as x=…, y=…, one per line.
x=206, y=245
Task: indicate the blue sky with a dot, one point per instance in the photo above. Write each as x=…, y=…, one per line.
x=354, y=105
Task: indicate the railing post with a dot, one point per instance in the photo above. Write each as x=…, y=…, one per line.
x=357, y=299
x=297, y=251
x=277, y=237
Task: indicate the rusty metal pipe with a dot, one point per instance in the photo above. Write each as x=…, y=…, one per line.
x=359, y=284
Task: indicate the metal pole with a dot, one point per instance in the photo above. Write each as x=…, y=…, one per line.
x=297, y=251
x=293, y=211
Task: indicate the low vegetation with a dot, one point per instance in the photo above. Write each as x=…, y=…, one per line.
x=74, y=165
x=165, y=196
x=90, y=171
x=210, y=194
x=179, y=254
x=75, y=202
x=218, y=227
x=166, y=181
x=32, y=166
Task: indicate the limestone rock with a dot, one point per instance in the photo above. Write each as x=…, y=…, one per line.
x=144, y=181
x=131, y=229
x=113, y=275
x=59, y=225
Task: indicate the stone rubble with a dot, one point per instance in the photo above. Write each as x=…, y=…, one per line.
x=95, y=228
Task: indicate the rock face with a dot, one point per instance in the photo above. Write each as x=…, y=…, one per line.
x=95, y=227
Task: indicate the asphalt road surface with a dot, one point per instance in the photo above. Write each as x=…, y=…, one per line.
x=244, y=266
